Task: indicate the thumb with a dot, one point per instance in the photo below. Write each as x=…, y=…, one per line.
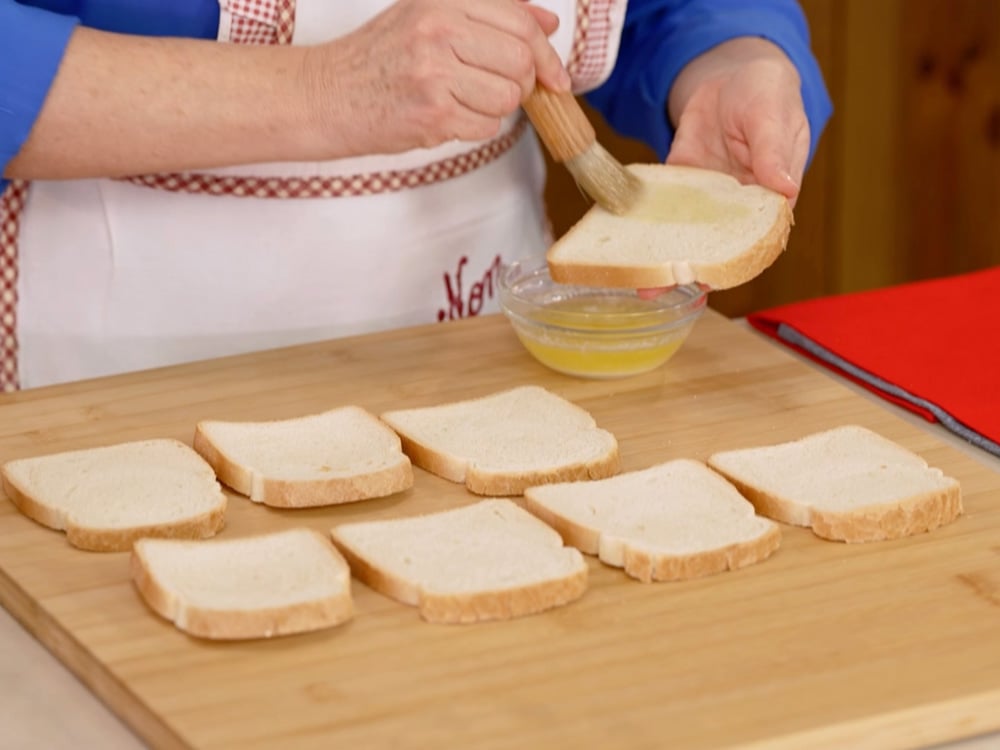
x=772, y=168
x=773, y=141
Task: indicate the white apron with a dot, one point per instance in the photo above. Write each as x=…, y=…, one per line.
x=120, y=275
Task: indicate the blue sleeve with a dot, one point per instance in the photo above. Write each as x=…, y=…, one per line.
x=33, y=38
x=662, y=36
x=195, y=19
x=33, y=42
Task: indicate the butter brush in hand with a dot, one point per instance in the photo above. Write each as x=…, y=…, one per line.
x=571, y=140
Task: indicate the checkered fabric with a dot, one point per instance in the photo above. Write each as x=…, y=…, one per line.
x=11, y=204
x=590, y=43
x=370, y=183
x=260, y=21
x=252, y=22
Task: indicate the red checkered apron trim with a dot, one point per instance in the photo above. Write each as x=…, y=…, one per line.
x=259, y=21
x=251, y=22
x=588, y=59
x=11, y=204
x=371, y=183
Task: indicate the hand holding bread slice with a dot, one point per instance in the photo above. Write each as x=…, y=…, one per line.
x=690, y=226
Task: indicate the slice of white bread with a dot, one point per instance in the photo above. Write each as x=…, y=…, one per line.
x=338, y=456
x=690, y=225
x=670, y=522
x=487, y=561
x=502, y=443
x=849, y=484
x=252, y=587
x=106, y=498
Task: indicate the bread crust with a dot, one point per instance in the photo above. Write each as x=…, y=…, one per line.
x=649, y=567
x=498, y=484
x=479, y=606
x=872, y=523
x=392, y=586
x=92, y=539
x=503, y=483
x=444, y=465
x=503, y=605
x=584, y=538
x=240, y=624
x=307, y=493
x=737, y=270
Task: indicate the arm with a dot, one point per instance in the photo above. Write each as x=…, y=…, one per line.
x=665, y=38
x=34, y=35
x=416, y=75
x=123, y=104
x=32, y=42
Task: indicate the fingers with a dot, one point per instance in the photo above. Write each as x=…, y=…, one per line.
x=509, y=61
x=524, y=22
x=651, y=293
x=424, y=72
x=778, y=140
x=486, y=93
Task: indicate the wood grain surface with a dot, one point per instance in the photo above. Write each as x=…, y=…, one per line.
x=824, y=645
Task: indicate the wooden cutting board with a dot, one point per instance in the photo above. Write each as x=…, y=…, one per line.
x=894, y=644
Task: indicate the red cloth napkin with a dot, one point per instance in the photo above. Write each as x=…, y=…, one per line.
x=932, y=347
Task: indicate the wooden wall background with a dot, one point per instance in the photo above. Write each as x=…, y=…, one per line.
x=906, y=182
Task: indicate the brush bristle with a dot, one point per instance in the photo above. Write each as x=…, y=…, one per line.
x=605, y=179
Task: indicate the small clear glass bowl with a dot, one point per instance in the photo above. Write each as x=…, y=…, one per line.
x=595, y=333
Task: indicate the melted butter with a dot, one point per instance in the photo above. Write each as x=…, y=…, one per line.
x=616, y=349
x=683, y=204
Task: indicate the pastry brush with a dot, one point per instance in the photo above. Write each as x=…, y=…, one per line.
x=570, y=138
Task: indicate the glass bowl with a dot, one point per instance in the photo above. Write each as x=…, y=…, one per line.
x=595, y=333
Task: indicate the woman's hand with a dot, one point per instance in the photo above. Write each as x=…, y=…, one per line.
x=421, y=73
x=738, y=109
x=428, y=71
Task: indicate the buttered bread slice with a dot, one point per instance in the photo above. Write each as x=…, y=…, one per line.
x=689, y=226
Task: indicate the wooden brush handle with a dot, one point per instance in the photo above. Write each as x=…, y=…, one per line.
x=560, y=123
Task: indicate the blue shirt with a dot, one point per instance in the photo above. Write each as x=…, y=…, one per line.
x=660, y=38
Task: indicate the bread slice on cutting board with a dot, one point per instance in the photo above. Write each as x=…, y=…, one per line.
x=338, y=456
x=690, y=226
x=253, y=587
x=487, y=561
x=670, y=522
x=106, y=498
x=849, y=484
x=501, y=443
